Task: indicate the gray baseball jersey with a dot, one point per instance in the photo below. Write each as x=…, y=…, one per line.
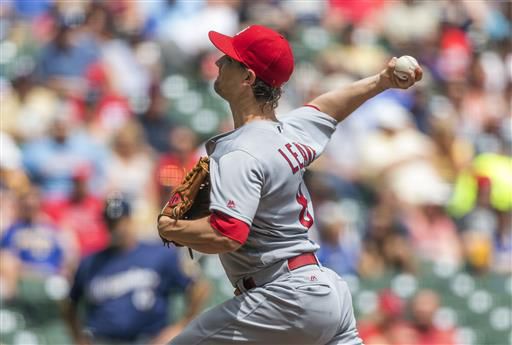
x=257, y=177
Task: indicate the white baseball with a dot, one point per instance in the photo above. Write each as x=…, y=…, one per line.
x=404, y=65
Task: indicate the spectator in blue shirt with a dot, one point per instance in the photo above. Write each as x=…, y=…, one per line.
x=52, y=160
x=340, y=244
x=125, y=288
x=34, y=240
x=63, y=62
x=33, y=247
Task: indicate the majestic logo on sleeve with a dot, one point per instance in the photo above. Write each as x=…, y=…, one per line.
x=297, y=155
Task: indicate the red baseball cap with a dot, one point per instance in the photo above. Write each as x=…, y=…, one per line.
x=261, y=49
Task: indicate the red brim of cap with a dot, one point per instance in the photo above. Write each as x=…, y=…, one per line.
x=224, y=43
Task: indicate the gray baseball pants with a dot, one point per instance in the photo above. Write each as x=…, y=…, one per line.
x=309, y=305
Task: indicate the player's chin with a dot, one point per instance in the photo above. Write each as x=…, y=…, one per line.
x=217, y=88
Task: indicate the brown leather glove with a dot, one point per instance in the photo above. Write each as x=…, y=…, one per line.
x=190, y=199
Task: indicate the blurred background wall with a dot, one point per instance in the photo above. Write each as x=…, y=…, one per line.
x=412, y=197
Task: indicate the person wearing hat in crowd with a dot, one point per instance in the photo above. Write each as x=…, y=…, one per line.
x=387, y=325
x=261, y=209
x=125, y=288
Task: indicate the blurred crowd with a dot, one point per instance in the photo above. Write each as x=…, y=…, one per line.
x=102, y=97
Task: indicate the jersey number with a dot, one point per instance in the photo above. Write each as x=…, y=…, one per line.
x=305, y=217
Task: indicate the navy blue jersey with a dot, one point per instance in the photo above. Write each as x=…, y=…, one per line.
x=127, y=293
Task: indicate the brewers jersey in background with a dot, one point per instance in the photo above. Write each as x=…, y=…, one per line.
x=257, y=177
x=126, y=294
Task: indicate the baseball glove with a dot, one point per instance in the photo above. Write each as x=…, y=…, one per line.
x=190, y=199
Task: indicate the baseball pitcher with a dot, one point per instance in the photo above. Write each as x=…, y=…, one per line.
x=260, y=209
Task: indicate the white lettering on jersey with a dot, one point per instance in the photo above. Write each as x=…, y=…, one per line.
x=143, y=299
x=297, y=155
x=37, y=240
x=109, y=287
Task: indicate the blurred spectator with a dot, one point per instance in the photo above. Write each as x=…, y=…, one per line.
x=63, y=61
x=387, y=325
x=103, y=110
x=386, y=244
x=433, y=233
x=98, y=26
x=486, y=233
x=454, y=56
x=353, y=10
x=477, y=252
x=502, y=244
x=498, y=169
x=13, y=180
x=50, y=161
x=126, y=287
x=156, y=123
x=478, y=228
x=27, y=108
x=80, y=213
x=483, y=217
x=481, y=109
x=423, y=309
x=173, y=166
x=452, y=153
x=340, y=244
x=399, y=155
x=187, y=23
x=102, y=30
x=31, y=8
x=130, y=171
x=34, y=246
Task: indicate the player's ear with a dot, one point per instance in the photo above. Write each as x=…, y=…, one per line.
x=250, y=77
